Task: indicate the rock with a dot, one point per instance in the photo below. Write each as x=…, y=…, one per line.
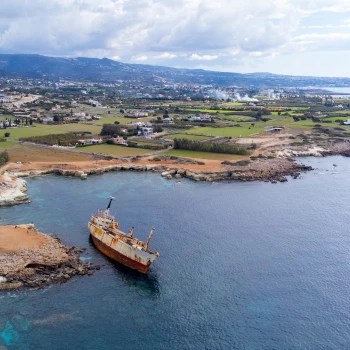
x=178, y=176
x=78, y=173
x=168, y=177
x=83, y=176
x=3, y=279
x=165, y=173
x=10, y=285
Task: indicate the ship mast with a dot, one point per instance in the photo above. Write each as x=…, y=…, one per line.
x=110, y=202
x=150, y=237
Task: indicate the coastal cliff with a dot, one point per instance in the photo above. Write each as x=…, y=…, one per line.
x=12, y=191
x=33, y=259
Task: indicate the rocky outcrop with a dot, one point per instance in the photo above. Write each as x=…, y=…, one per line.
x=12, y=191
x=34, y=259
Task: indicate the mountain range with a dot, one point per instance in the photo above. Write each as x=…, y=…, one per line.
x=106, y=70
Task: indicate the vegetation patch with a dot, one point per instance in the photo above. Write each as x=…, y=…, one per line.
x=4, y=158
x=69, y=139
x=114, y=150
x=209, y=147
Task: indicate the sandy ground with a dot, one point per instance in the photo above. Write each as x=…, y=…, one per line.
x=16, y=238
x=209, y=166
x=31, y=258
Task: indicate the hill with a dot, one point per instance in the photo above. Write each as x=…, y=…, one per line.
x=106, y=70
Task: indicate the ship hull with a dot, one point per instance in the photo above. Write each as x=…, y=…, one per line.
x=118, y=257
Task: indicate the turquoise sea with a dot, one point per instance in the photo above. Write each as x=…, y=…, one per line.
x=242, y=265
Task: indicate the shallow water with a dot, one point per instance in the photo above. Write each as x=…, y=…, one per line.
x=242, y=265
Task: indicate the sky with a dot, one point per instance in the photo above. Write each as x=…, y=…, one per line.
x=297, y=37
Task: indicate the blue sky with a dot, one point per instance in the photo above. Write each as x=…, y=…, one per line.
x=279, y=36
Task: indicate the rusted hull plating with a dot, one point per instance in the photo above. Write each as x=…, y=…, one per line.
x=117, y=249
x=120, y=258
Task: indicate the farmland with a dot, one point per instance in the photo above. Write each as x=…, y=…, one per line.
x=226, y=131
x=42, y=129
x=113, y=150
x=203, y=155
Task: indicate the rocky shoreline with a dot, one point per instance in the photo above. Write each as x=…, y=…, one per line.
x=276, y=170
x=32, y=259
x=267, y=170
x=13, y=191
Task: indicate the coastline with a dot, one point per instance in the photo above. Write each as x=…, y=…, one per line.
x=272, y=165
x=32, y=259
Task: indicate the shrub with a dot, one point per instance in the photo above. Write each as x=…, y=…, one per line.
x=4, y=158
x=68, y=139
x=110, y=129
x=209, y=147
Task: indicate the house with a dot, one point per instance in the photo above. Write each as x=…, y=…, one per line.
x=79, y=114
x=145, y=131
x=273, y=130
x=119, y=141
x=47, y=120
x=194, y=119
x=168, y=121
x=90, y=141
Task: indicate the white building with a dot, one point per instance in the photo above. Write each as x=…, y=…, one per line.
x=90, y=141
x=168, y=121
x=119, y=141
x=145, y=131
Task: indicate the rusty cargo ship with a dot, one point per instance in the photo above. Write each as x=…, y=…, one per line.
x=120, y=246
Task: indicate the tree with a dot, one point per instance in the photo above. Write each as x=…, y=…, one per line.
x=110, y=129
x=157, y=128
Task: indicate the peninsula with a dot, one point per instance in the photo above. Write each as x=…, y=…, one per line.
x=33, y=259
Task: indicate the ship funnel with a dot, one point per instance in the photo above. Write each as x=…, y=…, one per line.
x=150, y=237
x=110, y=202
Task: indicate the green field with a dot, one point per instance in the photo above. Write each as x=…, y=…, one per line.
x=185, y=136
x=333, y=119
x=242, y=131
x=7, y=144
x=232, y=104
x=114, y=150
x=211, y=111
x=42, y=129
x=202, y=155
x=238, y=118
x=309, y=124
x=120, y=119
x=341, y=112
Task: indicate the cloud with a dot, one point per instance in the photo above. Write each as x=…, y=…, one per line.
x=166, y=55
x=195, y=57
x=141, y=58
x=183, y=32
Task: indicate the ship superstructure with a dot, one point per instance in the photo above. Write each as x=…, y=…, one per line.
x=118, y=245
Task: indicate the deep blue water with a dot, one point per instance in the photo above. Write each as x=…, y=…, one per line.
x=242, y=265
